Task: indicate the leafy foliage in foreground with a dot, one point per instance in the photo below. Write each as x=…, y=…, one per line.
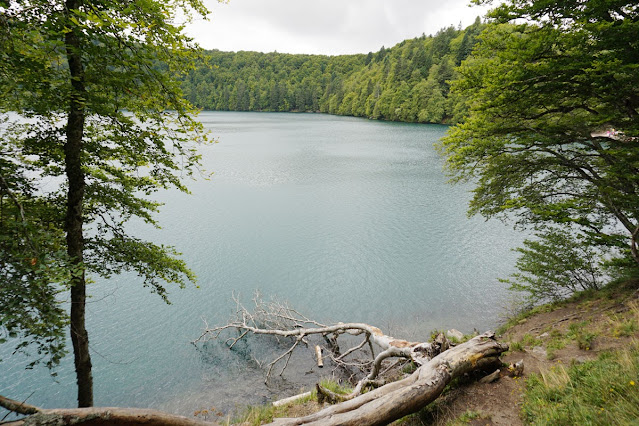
x=92, y=142
x=552, y=137
x=556, y=265
x=32, y=257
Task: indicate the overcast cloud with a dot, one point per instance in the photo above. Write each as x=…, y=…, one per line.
x=329, y=27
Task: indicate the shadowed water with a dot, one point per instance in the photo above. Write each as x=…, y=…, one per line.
x=347, y=219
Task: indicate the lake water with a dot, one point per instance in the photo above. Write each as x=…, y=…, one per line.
x=347, y=219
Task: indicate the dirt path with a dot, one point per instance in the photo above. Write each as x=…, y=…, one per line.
x=574, y=332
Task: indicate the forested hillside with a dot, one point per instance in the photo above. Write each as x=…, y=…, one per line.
x=408, y=82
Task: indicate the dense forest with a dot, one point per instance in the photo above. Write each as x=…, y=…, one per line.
x=408, y=82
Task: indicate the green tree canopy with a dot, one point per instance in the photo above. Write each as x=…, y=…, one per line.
x=552, y=135
x=102, y=125
x=383, y=85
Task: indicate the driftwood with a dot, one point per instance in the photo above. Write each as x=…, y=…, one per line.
x=318, y=356
x=398, y=399
x=438, y=363
x=491, y=377
x=376, y=407
x=291, y=399
x=94, y=416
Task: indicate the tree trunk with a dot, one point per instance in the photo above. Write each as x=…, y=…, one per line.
x=74, y=219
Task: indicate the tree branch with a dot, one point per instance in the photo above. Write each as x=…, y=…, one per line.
x=94, y=416
x=17, y=406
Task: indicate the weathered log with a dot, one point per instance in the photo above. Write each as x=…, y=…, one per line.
x=318, y=355
x=326, y=395
x=94, y=416
x=290, y=399
x=398, y=399
x=437, y=366
x=491, y=377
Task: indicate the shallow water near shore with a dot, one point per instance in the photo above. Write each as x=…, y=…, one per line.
x=345, y=218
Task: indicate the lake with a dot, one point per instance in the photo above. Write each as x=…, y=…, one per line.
x=345, y=218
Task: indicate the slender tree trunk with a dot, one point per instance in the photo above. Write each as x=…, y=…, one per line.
x=74, y=219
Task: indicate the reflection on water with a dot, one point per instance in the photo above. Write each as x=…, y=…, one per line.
x=347, y=219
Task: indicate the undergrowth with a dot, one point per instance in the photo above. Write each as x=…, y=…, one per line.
x=604, y=391
x=610, y=291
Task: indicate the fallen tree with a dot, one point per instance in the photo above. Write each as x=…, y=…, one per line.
x=437, y=362
x=398, y=399
x=277, y=319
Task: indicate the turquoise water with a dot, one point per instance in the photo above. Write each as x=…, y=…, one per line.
x=347, y=219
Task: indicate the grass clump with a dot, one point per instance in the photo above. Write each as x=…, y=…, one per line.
x=603, y=391
x=333, y=386
x=557, y=341
x=624, y=328
x=529, y=341
x=466, y=418
x=409, y=368
x=578, y=332
x=516, y=347
x=255, y=415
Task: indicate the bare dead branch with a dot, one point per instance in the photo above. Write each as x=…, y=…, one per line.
x=355, y=348
x=276, y=318
x=17, y=406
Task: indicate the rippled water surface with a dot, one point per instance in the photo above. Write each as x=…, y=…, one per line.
x=347, y=219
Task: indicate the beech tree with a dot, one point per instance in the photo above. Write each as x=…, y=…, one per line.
x=102, y=125
x=392, y=84
x=552, y=135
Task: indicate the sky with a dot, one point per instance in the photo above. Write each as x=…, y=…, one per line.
x=327, y=27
